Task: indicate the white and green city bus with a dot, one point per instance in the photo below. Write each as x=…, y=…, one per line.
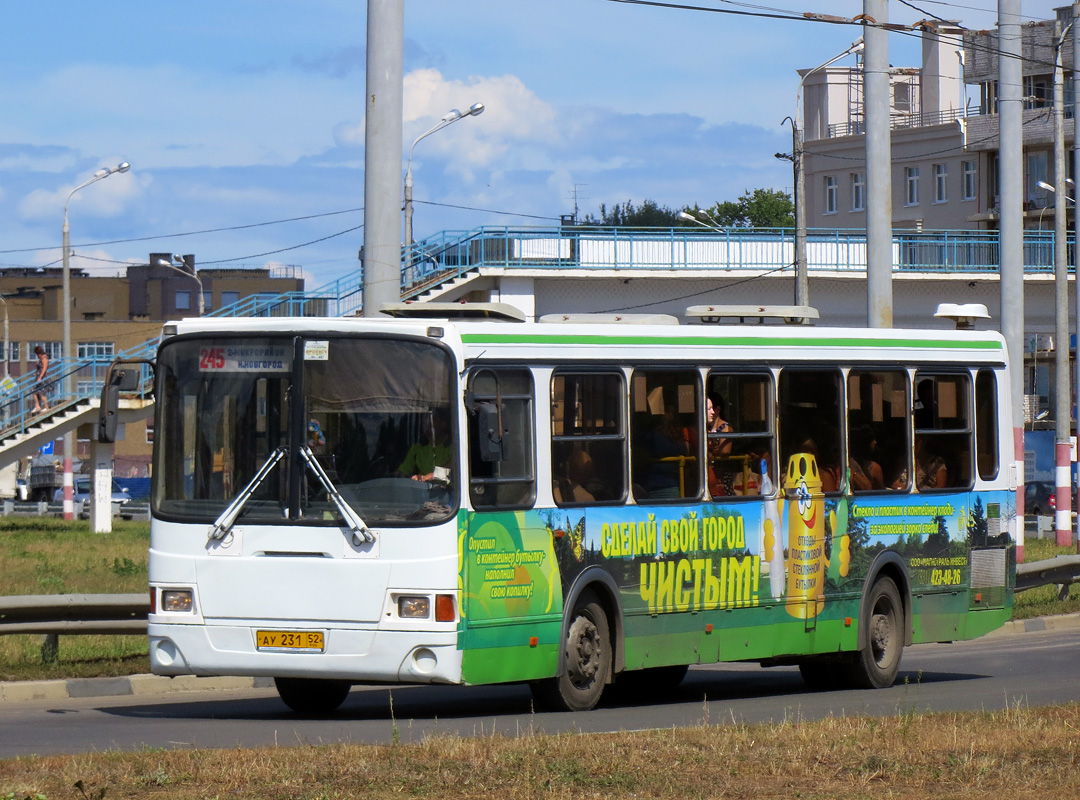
x=451, y=495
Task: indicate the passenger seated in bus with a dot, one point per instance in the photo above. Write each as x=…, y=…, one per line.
x=430, y=458
x=866, y=474
x=930, y=469
x=721, y=472
x=579, y=473
x=832, y=475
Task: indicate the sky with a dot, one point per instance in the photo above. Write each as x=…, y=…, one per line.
x=244, y=121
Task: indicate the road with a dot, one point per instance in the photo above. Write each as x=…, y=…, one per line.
x=1031, y=668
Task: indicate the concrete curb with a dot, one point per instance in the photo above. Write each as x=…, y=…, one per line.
x=21, y=691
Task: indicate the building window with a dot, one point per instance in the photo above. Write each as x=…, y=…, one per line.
x=13, y=351
x=208, y=299
x=229, y=298
x=100, y=351
x=911, y=180
x=970, y=176
x=858, y=191
x=183, y=300
x=150, y=432
x=941, y=181
x=830, y=195
x=52, y=349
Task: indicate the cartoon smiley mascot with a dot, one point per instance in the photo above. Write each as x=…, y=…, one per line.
x=807, y=560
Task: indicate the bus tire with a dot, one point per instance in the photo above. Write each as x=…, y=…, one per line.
x=876, y=665
x=312, y=695
x=588, y=653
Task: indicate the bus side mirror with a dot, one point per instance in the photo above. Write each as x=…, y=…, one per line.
x=117, y=379
x=489, y=433
x=108, y=419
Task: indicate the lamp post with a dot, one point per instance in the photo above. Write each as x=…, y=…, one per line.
x=69, y=437
x=182, y=260
x=1062, y=411
x=802, y=281
x=475, y=110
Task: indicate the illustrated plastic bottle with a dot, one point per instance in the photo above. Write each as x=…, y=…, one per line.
x=772, y=550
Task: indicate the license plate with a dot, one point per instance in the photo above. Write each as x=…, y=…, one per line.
x=305, y=641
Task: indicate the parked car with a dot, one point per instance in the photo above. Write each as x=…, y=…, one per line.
x=82, y=492
x=1039, y=498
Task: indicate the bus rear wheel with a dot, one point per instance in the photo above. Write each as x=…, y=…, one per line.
x=876, y=665
x=311, y=695
x=588, y=660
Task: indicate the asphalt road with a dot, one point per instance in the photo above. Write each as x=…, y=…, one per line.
x=1030, y=668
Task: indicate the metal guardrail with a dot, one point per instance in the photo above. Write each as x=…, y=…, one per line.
x=1061, y=570
x=127, y=613
x=74, y=613
x=19, y=508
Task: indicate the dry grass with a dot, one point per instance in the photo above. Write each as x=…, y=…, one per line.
x=1019, y=753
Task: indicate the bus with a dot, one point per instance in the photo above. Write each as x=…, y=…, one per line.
x=451, y=494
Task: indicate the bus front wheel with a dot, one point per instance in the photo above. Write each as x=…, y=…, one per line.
x=310, y=695
x=588, y=660
x=876, y=665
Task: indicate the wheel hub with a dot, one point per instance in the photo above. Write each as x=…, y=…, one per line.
x=583, y=651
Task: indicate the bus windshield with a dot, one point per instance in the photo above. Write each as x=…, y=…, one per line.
x=289, y=428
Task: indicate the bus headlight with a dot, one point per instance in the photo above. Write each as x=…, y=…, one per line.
x=412, y=606
x=177, y=601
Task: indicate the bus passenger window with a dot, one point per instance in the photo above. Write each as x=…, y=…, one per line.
x=810, y=416
x=944, y=433
x=878, y=429
x=508, y=481
x=665, y=441
x=738, y=433
x=986, y=424
x=588, y=438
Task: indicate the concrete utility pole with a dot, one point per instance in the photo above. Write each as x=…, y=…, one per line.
x=1011, y=224
x=1062, y=409
x=382, y=154
x=878, y=167
x=1076, y=211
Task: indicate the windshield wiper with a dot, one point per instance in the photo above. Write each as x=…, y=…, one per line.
x=224, y=523
x=357, y=525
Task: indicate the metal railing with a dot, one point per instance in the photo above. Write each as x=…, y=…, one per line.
x=452, y=254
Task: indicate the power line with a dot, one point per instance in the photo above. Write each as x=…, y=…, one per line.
x=191, y=233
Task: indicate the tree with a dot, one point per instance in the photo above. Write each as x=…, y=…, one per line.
x=761, y=208
x=650, y=215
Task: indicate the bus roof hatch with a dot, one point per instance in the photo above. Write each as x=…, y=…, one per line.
x=794, y=315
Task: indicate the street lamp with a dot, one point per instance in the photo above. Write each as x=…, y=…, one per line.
x=183, y=262
x=802, y=284
x=475, y=110
x=66, y=385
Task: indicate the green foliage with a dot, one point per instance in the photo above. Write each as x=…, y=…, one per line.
x=760, y=208
x=649, y=215
x=127, y=567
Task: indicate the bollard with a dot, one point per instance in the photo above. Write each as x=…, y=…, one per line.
x=50, y=648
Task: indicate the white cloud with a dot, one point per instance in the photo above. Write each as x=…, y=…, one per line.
x=109, y=197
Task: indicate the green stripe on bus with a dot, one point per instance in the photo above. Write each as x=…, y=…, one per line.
x=600, y=339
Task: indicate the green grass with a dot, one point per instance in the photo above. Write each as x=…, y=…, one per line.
x=41, y=555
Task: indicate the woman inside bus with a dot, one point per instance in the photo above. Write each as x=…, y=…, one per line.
x=721, y=475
